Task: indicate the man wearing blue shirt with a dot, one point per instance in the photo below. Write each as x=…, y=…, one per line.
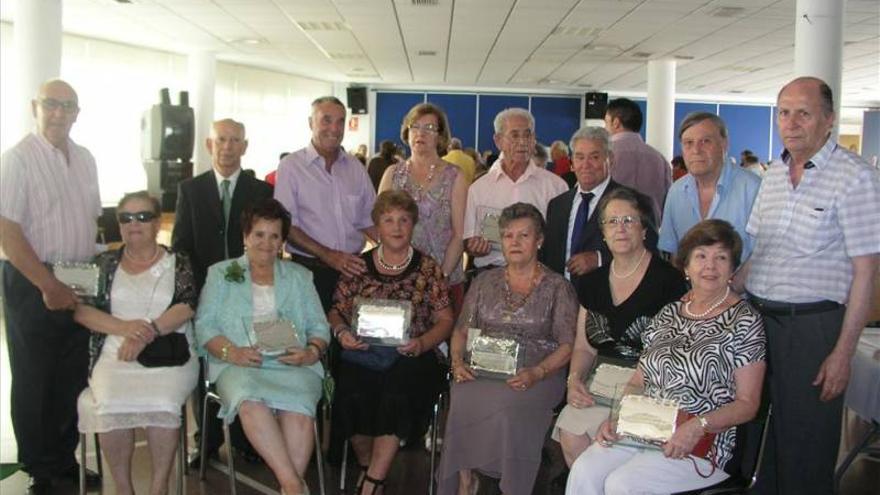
x=713, y=187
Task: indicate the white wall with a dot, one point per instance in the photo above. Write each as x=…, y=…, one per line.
x=117, y=82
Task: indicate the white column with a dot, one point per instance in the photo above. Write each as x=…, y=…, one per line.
x=818, y=42
x=37, y=48
x=202, y=69
x=659, y=132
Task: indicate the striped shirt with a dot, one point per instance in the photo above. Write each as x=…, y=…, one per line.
x=495, y=191
x=55, y=202
x=806, y=237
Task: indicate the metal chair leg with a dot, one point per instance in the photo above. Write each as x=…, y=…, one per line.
x=319, y=458
x=82, y=464
x=343, y=470
x=435, y=420
x=203, y=461
x=181, y=452
x=98, y=459
x=230, y=463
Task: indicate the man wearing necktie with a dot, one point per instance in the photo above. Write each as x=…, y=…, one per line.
x=574, y=244
x=207, y=226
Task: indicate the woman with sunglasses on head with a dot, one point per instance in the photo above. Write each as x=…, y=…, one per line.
x=149, y=293
x=439, y=189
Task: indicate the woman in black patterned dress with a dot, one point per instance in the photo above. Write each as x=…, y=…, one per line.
x=708, y=355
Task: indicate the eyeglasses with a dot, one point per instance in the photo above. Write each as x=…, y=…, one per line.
x=140, y=217
x=51, y=104
x=627, y=221
x=428, y=128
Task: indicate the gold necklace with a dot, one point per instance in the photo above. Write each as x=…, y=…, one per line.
x=420, y=188
x=512, y=304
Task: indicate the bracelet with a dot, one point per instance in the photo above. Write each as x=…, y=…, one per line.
x=571, y=378
x=155, y=328
x=224, y=351
x=543, y=370
x=704, y=423
x=317, y=348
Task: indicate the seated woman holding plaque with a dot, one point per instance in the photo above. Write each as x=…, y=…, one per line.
x=389, y=323
x=261, y=325
x=702, y=368
x=617, y=301
x=509, y=349
x=142, y=370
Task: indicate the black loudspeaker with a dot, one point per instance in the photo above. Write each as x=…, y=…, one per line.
x=357, y=100
x=595, y=104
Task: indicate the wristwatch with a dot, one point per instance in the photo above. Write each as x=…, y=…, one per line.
x=704, y=423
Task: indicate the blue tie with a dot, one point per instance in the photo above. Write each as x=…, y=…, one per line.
x=580, y=223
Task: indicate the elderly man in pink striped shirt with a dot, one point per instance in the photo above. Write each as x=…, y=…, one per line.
x=49, y=204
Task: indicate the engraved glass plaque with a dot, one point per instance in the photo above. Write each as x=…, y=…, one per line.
x=489, y=228
x=382, y=321
x=83, y=278
x=275, y=337
x=495, y=357
x=646, y=420
x=605, y=380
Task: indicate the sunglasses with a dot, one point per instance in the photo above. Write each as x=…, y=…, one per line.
x=141, y=217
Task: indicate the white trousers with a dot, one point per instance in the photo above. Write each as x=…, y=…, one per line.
x=620, y=470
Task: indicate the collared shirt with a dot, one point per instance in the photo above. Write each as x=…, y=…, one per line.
x=597, y=191
x=806, y=237
x=496, y=191
x=233, y=180
x=734, y=195
x=55, y=201
x=641, y=167
x=332, y=208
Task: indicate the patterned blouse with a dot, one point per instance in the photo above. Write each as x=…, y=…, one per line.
x=694, y=361
x=434, y=229
x=545, y=320
x=108, y=261
x=421, y=282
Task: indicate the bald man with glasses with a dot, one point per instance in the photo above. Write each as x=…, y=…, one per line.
x=49, y=204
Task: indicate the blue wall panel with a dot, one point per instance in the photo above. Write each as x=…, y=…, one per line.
x=556, y=118
x=390, y=110
x=681, y=111
x=748, y=127
x=490, y=105
x=777, y=141
x=643, y=105
x=461, y=110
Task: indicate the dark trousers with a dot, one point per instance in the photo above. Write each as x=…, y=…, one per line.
x=324, y=278
x=49, y=359
x=804, y=437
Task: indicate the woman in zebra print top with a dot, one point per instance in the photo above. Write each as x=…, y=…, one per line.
x=708, y=355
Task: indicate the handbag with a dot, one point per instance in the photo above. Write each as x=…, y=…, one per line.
x=166, y=350
x=376, y=357
x=705, y=447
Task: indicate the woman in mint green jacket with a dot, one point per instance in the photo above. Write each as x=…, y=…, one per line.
x=275, y=394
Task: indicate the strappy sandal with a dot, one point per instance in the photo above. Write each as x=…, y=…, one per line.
x=376, y=484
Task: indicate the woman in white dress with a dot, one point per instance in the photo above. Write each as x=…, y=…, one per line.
x=150, y=294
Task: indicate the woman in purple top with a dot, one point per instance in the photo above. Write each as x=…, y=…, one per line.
x=439, y=189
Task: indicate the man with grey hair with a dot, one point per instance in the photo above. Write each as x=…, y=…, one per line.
x=49, y=202
x=574, y=245
x=512, y=178
x=713, y=187
x=329, y=196
x=817, y=250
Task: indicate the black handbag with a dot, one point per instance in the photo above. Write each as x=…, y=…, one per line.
x=376, y=357
x=167, y=350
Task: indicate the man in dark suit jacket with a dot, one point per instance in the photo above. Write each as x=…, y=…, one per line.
x=574, y=245
x=202, y=231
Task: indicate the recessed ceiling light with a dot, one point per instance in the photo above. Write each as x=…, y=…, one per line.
x=248, y=41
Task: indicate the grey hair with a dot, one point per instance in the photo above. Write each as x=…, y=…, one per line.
x=327, y=99
x=593, y=133
x=517, y=211
x=695, y=118
x=507, y=113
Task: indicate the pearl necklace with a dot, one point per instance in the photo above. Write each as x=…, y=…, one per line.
x=150, y=261
x=380, y=257
x=420, y=187
x=628, y=275
x=687, y=306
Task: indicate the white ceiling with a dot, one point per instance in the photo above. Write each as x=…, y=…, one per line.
x=724, y=47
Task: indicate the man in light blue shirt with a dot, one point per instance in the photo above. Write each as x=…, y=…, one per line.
x=713, y=187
